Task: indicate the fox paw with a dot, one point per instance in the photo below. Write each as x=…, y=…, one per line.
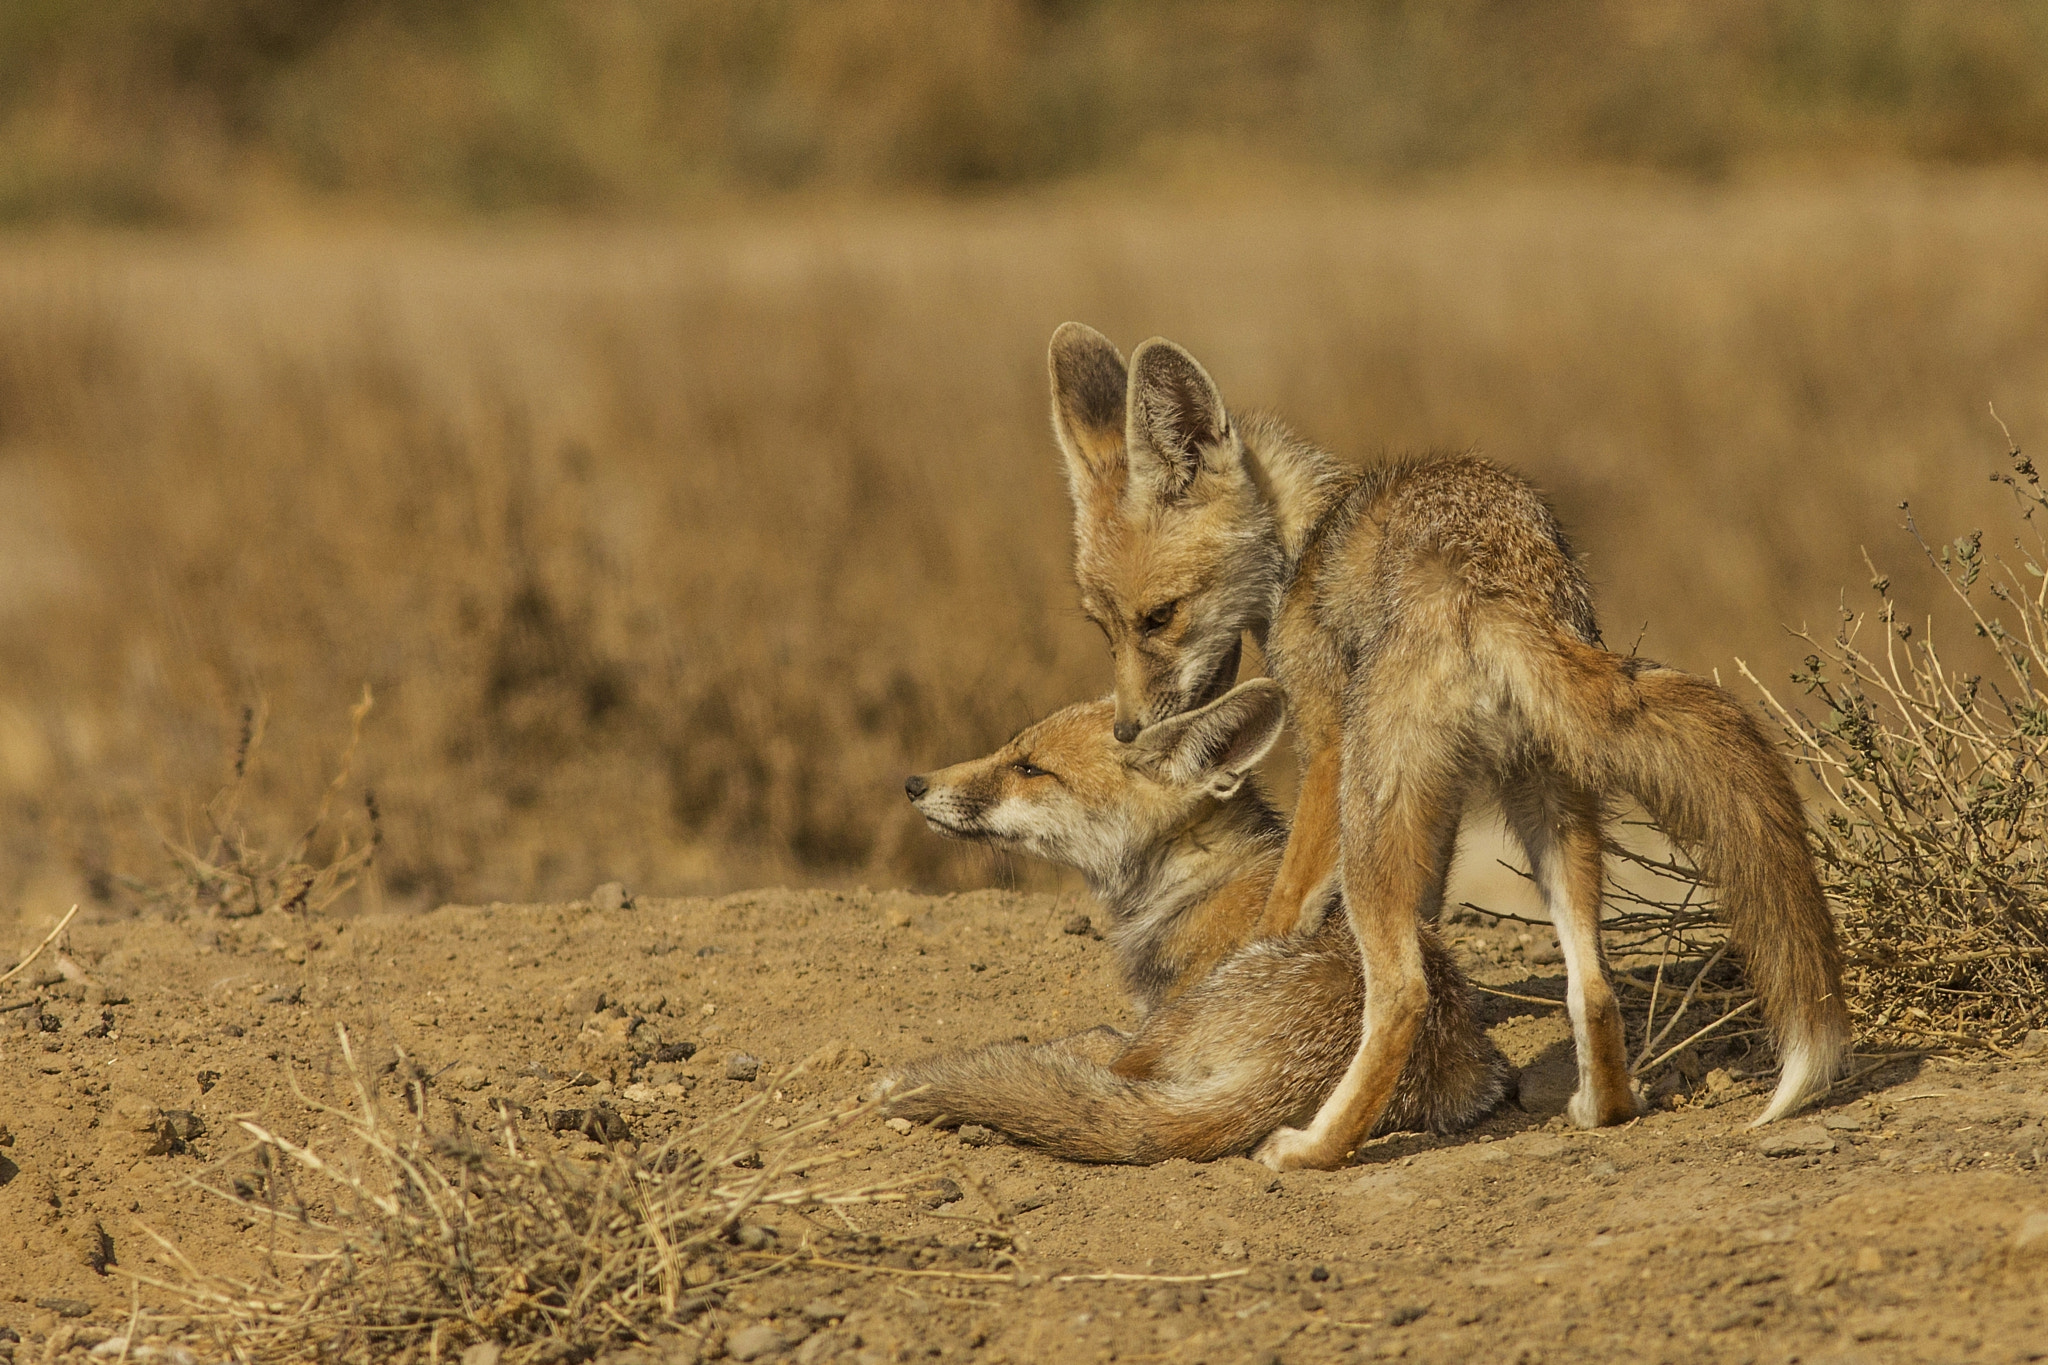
x=1293, y=1149
x=1588, y=1110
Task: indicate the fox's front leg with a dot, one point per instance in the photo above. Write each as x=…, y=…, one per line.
x=1398, y=840
x=1311, y=857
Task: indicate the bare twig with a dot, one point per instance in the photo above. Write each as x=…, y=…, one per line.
x=49, y=938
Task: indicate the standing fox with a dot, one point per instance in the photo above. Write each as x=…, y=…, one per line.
x=1182, y=848
x=1437, y=644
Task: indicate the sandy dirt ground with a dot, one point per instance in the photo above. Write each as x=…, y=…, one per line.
x=1901, y=1223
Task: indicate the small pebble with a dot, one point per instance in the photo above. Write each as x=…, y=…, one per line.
x=1806, y=1140
x=974, y=1135
x=822, y=1311
x=751, y=1343
x=902, y=1126
x=742, y=1066
x=942, y=1193
x=1079, y=924
x=2035, y=1043
x=611, y=896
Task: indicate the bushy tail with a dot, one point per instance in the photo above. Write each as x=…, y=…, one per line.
x=1048, y=1097
x=1256, y=1044
x=1705, y=772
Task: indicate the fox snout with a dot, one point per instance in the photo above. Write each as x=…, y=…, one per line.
x=915, y=786
x=1147, y=693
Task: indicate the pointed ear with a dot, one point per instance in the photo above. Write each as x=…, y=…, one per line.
x=1176, y=413
x=1219, y=745
x=1088, y=390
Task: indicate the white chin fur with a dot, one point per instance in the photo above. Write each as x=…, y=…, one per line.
x=1073, y=838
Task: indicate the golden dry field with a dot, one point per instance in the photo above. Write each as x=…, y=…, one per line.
x=666, y=552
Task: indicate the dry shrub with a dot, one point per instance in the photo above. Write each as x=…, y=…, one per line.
x=237, y=875
x=1932, y=833
x=1933, y=842
x=402, y=1242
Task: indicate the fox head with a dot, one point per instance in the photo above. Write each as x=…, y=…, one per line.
x=1176, y=547
x=1068, y=791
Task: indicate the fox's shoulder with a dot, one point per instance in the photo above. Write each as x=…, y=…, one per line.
x=1435, y=518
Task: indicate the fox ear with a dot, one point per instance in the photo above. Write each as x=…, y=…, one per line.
x=1176, y=413
x=1219, y=745
x=1088, y=389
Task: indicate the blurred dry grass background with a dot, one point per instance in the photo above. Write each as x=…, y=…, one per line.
x=183, y=110
x=646, y=401
x=668, y=551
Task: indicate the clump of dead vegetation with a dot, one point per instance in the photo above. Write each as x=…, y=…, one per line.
x=1933, y=843
x=234, y=874
x=404, y=1242
x=1932, y=836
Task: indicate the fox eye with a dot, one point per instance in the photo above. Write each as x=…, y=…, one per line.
x=1157, y=619
x=1024, y=767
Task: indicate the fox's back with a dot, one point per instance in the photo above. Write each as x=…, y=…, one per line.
x=1439, y=534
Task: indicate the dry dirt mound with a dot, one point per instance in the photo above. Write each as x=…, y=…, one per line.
x=1900, y=1223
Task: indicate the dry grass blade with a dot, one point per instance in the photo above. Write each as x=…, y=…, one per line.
x=36, y=952
x=412, y=1239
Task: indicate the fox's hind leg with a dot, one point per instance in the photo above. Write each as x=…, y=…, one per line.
x=1559, y=828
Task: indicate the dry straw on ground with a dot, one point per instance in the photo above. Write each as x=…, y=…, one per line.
x=407, y=1242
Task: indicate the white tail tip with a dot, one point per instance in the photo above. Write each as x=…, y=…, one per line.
x=1809, y=1070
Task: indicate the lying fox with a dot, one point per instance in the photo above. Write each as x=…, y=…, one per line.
x=1181, y=846
x=1437, y=643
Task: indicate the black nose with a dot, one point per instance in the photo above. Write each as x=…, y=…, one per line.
x=915, y=786
x=1126, y=731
